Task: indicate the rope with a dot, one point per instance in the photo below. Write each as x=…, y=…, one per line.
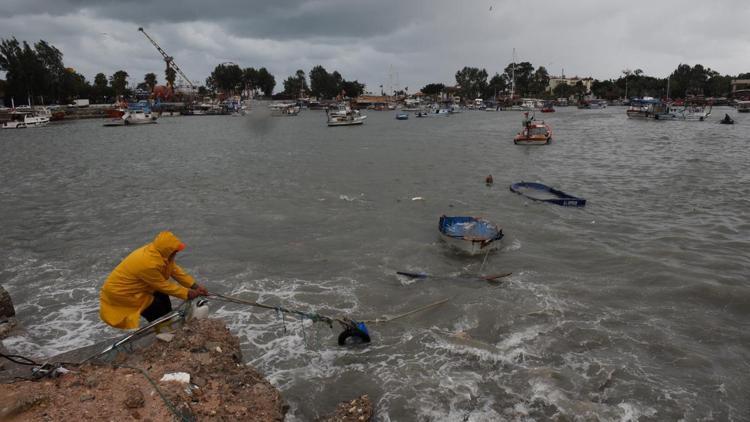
x=315, y=317
x=405, y=314
x=484, y=260
x=18, y=359
x=164, y=398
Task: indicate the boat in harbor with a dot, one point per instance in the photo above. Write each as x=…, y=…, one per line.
x=533, y=132
x=27, y=118
x=471, y=235
x=402, y=116
x=548, y=107
x=742, y=106
x=690, y=112
x=344, y=115
x=592, y=104
x=284, y=109
x=543, y=193
x=648, y=108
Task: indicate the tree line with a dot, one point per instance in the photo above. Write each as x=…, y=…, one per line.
x=37, y=72
x=323, y=85
x=523, y=80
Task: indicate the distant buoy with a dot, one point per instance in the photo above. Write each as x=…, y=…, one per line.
x=488, y=180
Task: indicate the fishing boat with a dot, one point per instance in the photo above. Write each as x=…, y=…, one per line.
x=533, y=133
x=139, y=117
x=472, y=235
x=343, y=115
x=402, y=116
x=548, y=107
x=285, y=110
x=648, y=108
x=25, y=119
x=543, y=193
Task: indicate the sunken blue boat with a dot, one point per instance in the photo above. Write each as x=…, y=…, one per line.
x=543, y=193
x=470, y=234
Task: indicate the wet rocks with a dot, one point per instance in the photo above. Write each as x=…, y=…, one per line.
x=357, y=410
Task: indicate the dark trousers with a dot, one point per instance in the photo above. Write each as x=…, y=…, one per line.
x=158, y=308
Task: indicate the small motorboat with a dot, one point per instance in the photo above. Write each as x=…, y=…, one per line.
x=472, y=235
x=543, y=193
x=402, y=116
x=422, y=114
x=726, y=120
x=533, y=133
x=343, y=115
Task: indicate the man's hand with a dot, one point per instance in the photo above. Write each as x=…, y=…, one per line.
x=201, y=290
x=193, y=293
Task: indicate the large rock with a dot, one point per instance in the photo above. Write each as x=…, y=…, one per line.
x=6, y=305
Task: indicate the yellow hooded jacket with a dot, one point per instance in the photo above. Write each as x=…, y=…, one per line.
x=130, y=287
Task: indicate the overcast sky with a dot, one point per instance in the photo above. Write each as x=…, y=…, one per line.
x=406, y=43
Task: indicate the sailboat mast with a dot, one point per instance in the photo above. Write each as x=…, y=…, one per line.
x=513, y=80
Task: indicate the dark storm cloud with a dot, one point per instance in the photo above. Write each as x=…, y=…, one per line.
x=380, y=42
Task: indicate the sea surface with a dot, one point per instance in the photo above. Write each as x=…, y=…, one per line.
x=636, y=307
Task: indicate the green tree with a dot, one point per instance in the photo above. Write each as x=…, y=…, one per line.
x=150, y=80
x=226, y=77
x=119, y=83
x=296, y=85
x=352, y=89
x=433, y=89
x=523, y=76
x=472, y=82
x=322, y=84
x=250, y=79
x=266, y=81
x=495, y=86
x=539, y=81
x=170, y=75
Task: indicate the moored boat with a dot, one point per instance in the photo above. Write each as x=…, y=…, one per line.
x=543, y=193
x=742, y=106
x=402, y=116
x=343, y=115
x=25, y=119
x=533, y=133
x=472, y=235
x=648, y=108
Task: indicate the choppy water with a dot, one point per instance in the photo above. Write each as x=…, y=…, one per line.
x=635, y=307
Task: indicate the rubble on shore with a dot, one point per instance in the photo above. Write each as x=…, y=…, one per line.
x=220, y=386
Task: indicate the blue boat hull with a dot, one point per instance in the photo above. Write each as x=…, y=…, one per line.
x=558, y=197
x=470, y=234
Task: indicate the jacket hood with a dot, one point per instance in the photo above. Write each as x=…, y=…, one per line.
x=166, y=243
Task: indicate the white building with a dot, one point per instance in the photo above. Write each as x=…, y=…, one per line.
x=557, y=80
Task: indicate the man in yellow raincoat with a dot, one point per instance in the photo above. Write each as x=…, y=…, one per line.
x=140, y=285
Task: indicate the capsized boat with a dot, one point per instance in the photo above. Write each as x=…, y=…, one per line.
x=472, y=235
x=543, y=193
x=533, y=133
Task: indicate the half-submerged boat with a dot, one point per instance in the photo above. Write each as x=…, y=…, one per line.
x=533, y=133
x=472, y=235
x=543, y=193
x=343, y=115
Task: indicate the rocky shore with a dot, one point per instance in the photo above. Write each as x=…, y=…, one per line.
x=196, y=374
